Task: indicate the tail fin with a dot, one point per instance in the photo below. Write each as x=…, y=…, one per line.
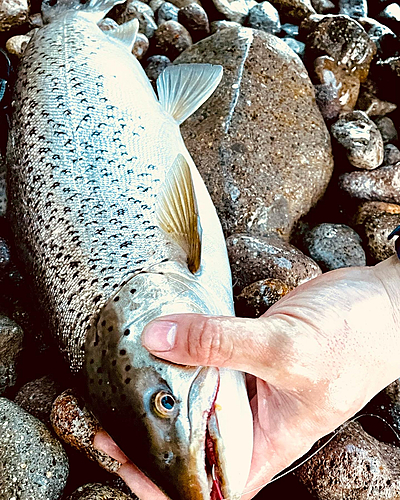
x=95, y=10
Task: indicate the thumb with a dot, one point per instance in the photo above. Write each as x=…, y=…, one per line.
x=194, y=339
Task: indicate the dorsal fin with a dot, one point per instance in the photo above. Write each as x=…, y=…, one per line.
x=177, y=211
x=183, y=88
x=125, y=33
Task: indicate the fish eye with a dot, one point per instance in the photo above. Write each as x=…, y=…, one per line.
x=164, y=404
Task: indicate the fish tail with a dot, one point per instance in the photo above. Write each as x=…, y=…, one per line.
x=95, y=10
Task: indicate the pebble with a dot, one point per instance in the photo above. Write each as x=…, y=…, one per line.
x=135, y=9
x=166, y=12
x=298, y=47
x=327, y=99
x=358, y=135
x=255, y=299
x=375, y=221
x=33, y=463
x=387, y=74
x=17, y=44
x=183, y=3
x=108, y=24
x=333, y=246
x=234, y=10
x=13, y=13
x=370, y=103
x=382, y=184
x=155, y=5
x=155, y=66
x=76, y=425
x=290, y=30
x=353, y=466
x=11, y=344
x=194, y=18
x=253, y=259
x=141, y=46
x=387, y=129
x=222, y=25
x=37, y=397
x=353, y=8
x=36, y=20
x=264, y=16
x=392, y=155
x=391, y=17
x=387, y=43
x=96, y=491
x=294, y=11
x=171, y=39
x=323, y=6
x=260, y=144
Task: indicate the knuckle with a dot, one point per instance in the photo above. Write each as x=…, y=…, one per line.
x=207, y=343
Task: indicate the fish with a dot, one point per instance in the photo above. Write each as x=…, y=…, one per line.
x=115, y=227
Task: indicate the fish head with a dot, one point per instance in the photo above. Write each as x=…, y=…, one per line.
x=178, y=424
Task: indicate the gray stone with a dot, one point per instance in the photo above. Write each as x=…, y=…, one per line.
x=333, y=246
x=33, y=463
x=171, y=39
x=11, y=340
x=360, y=138
x=298, y=47
x=166, y=12
x=387, y=129
x=183, y=3
x=264, y=16
x=294, y=11
x=353, y=466
x=13, y=13
x=195, y=20
x=290, y=30
x=326, y=96
x=323, y=6
x=253, y=259
x=155, y=66
x=135, y=9
x=234, y=10
x=155, y=5
x=222, y=25
x=381, y=184
x=141, y=46
x=353, y=8
x=392, y=155
x=260, y=141
x=386, y=41
x=96, y=491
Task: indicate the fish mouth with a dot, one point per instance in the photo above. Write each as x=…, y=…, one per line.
x=212, y=465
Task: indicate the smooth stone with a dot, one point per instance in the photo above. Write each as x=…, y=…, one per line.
x=387, y=129
x=155, y=5
x=264, y=16
x=382, y=184
x=135, y=9
x=355, y=466
x=222, y=25
x=13, y=13
x=392, y=155
x=358, y=135
x=353, y=8
x=298, y=47
x=33, y=463
x=171, y=39
x=234, y=10
x=370, y=103
x=166, y=12
x=141, y=46
x=17, y=44
x=333, y=246
x=194, y=18
x=290, y=30
x=155, y=66
x=11, y=345
x=37, y=397
x=36, y=20
x=260, y=142
x=293, y=11
x=387, y=43
x=323, y=6
x=108, y=24
x=327, y=99
x=253, y=259
x=391, y=17
x=375, y=221
x=96, y=491
x=257, y=298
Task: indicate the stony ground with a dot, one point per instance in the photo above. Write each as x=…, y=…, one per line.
x=299, y=150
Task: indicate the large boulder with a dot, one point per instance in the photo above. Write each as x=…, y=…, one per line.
x=259, y=142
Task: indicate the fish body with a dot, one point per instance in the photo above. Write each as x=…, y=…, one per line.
x=95, y=160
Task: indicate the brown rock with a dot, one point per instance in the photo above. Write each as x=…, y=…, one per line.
x=13, y=13
x=370, y=103
x=253, y=259
x=11, y=344
x=96, y=491
x=141, y=46
x=17, y=44
x=353, y=466
x=294, y=10
x=135, y=9
x=194, y=18
x=222, y=25
x=171, y=39
x=260, y=141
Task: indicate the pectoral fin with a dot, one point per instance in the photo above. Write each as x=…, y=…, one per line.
x=177, y=211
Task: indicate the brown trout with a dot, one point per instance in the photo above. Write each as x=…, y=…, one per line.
x=115, y=227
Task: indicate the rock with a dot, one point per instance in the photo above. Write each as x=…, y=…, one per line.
x=222, y=25
x=155, y=66
x=107, y=24
x=36, y=20
x=171, y=39
x=353, y=8
x=183, y=3
x=11, y=339
x=135, y=9
x=257, y=298
x=360, y=138
x=341, y=38
x=3, y=188
x=326, y=96
x=234, y=10
x=77, y=426
x=392, y=155
x=13, y=13
x=333, y=246
x=354, y=466
x=387, y=129
x=375, y=221
x=37, y=397
x=387, y=43
x=323, y=6
x=370, y=103
x=290, y=30
x=294, y=11
x=259, y=142
x=141, y=46
x=194, y=18
x=391, y=17
x=253, y=259
x=382, y=184
x=17, y=44
x=166, y=12
x=298, y=47
x=33, y=463
x=264, y=16
x=155, y=5
x=96, y=491
x=387, y=74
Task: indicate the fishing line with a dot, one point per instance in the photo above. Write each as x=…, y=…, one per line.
x=335, y=433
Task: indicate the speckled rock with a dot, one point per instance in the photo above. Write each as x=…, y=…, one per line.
x=135, y=9
x=323, y=6
x=353, y=8
x=166, y=12
x=293, y=11
x=360, y=138
x=298, y=47
x=37, y=397
x=257, y=298
x=387, y=74
x=96, y=491
x=370, y=103
x=387, y=129
x=260, y=141
x=33, y=463
x=171, y=39
x=333, y=246
x=387, y=43
x=195, y=20
x=353, y=466
x=326, y=96
x=264, y=16
x=77, y=426
x=375, y=221
x=234, y=10
x=381, y=184
x=11, y=344
x=253, y=259
x=392, y=155
x=155, y=66
x=17, y=44
x=13, y=13
x=222, y=25
x=141, y=46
